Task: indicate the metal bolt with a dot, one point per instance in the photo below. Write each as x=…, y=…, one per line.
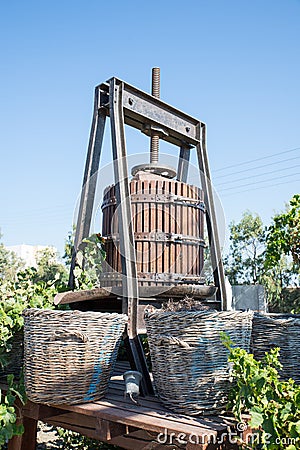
x=154, y=141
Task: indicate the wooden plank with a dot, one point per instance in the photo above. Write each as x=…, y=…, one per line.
x=144, y=228
x=158, y=226
x=148, y=411
x=172, y=226
x=152, y=228
x=154, y=404
x=115, y=399
x=157, y=409
x=185, y=225
x=86, y=425
x=39, y=412
x=137, y=223
x=145, y=291
x=93, y=427
x=140, y=440
x=90, y=433
x=140, y=419
x=80, y=296
x=166, y=228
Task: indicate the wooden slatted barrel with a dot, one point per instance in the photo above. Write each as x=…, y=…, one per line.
x=168, y=224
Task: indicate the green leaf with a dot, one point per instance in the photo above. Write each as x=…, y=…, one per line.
x=256, y=420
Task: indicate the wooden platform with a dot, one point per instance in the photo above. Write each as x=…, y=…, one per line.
x=117, y=420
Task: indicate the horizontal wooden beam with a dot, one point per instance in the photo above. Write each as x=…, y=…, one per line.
x=197, y=291
x=81, y=296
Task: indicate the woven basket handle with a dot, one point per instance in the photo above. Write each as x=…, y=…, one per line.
x=67, y=333
x=162, y=339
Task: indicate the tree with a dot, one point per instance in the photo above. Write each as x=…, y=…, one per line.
x=282, y=259
x=10, y=264
x=245, y=262
x=270, y=256
x=49, y=269
x=283, y=237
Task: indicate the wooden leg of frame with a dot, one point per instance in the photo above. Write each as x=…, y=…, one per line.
x=27, y=441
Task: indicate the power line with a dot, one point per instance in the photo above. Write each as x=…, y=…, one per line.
x=257, y=167
x=263, y=181
x=255, y=189
x=257, y=159
x=258, y=175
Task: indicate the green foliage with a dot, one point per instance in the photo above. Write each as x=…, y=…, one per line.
x=283, y=236
x=17, y=294
x=10, y=264
x=90, y=257
x=8, y=411
x=273, y=404
x=74, y=440
x=48, y=267
x=269, y=256
x=15, y=297
x=36, y=288
x=245, y=263
x=282, y=255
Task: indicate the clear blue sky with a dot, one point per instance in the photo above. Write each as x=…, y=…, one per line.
x=233, y=64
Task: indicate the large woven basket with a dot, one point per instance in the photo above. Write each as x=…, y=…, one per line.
x=278, y=330
x=189, y=361
x=69, y=355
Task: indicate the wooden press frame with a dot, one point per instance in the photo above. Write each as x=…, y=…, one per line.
x=125, y=104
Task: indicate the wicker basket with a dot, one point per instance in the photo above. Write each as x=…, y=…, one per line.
x=189, y=361
x=69, y=355
x=278, y=330
x=15, y=357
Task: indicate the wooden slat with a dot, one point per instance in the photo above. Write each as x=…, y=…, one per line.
x=76, y=428
x=139, y=186
x=141, y=440
x=152, y=408
x=159, y=215
x=93, y=427
x=79, y=296
x=152, y=226
x=173, y=225
x=143, y=418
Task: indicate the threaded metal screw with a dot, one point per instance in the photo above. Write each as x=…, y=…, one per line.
x=154, y=141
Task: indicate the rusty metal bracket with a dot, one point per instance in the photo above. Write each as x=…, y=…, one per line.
x=170, y=278
x=160, y=236
x=175, y=278
x=159, y=198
